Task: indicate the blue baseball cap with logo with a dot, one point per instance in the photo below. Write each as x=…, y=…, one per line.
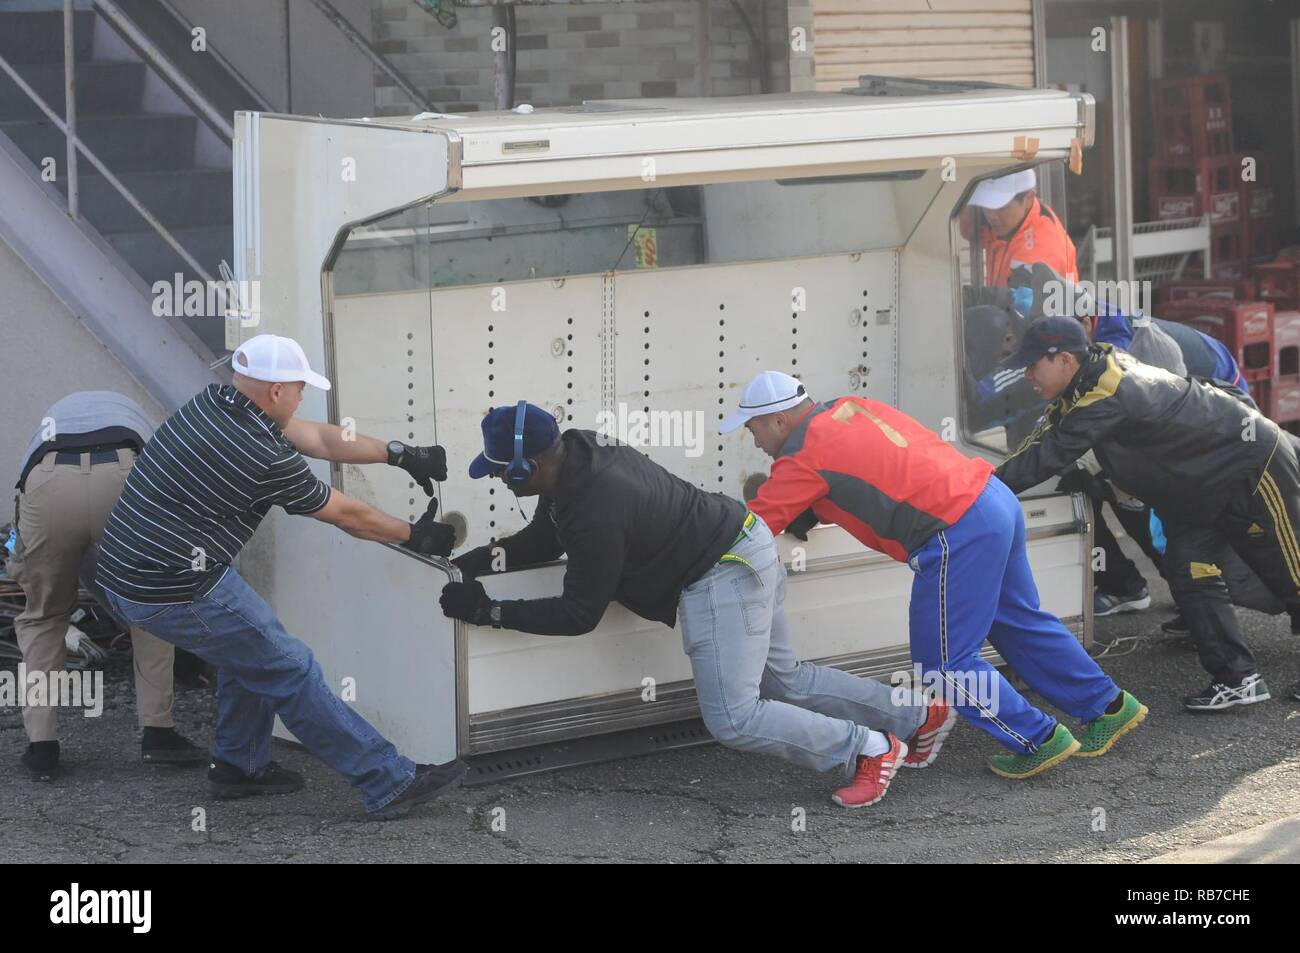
x=1053, y=335
x=540, y=434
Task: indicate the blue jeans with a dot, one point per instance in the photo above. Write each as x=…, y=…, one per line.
x=972, y=583
x=263, y=672
x=753, y=691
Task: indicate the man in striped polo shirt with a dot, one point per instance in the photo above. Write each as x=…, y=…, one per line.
x=197, y=493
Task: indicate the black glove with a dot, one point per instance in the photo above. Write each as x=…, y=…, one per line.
x=474, y=563
x=800, y=525
x=1079, y=480
x=429, y=537
x=467, y=601
x=425, y=464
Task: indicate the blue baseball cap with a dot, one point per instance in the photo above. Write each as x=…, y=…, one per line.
x=540, y=434
x=1052, y=335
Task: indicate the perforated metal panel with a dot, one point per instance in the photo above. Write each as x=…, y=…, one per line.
x=675, y=346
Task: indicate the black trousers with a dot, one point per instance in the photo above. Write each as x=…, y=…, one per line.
x=1119, y=575
x=1258, y=525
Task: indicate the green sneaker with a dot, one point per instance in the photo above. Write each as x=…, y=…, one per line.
x=1054, y=750
x=1103, y=732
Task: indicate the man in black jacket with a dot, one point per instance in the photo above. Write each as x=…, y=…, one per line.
x=1219, y=474
x=638, y=535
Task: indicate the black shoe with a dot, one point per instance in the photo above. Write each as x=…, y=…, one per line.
x=42, y=760
x=1175, y=626
x=1295, y=691
x=167, y=746
x=430, y=781
x=1220, y=696
x=226, y=782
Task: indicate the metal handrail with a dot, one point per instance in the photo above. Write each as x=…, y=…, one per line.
x=75, y=144
x=259, y=100
x=163, y=65
x=380, y=61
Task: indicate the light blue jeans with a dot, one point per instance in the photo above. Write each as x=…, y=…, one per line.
x=754, y=693
x=263, y=671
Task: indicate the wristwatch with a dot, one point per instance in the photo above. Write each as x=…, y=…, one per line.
x=395, y=450
x=494, y=614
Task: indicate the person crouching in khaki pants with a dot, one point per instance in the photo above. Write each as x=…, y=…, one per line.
x=72, y=476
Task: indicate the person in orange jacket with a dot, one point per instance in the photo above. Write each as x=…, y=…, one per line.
x=1018, y=230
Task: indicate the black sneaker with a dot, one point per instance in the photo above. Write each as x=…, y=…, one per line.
x=1175, y=626
x=1295, y=691
x=226, y=782
x=167, y=746
x=42, y=760
x=1220, y=696
x=430, y=781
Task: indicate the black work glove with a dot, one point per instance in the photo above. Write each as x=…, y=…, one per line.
x=467, y=601
x=429, y=537
x=800, y=525
x=1079, y=480
x=425, y=464
x=475, y=563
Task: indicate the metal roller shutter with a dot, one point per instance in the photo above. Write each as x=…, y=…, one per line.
x=989, y=40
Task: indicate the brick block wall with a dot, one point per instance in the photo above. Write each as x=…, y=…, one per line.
x=570, y=52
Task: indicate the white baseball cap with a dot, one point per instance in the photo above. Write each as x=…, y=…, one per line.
x=269, y=357
x=995, y=193
x=767, y=393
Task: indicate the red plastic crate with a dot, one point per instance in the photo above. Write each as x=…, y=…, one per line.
x=1227, y=252
x=1277, y=282
x=1261, y=392
x=1286, y=334
x=1284, y=401
x=1261, y=239
x=1193, y=116
x=1261, y=201
x=1206, y=186
x=1180, y=289
x=1246, y=327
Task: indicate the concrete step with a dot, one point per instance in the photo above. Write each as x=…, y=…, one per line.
x=37, y=37
x=123, y=143
x=184, y=198
x=154, y=260
x=103, y=88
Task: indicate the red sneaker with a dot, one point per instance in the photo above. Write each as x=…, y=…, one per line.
x=940, y=719
x=873, y=776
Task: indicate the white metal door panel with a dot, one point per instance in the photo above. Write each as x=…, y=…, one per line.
x=699, y=334
x=384, y=390
x=370, y=614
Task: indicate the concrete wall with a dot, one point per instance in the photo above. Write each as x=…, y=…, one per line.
x=330, y=75
x=570, y=52
x=48, y=353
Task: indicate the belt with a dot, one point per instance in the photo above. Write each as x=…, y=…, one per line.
x=750, y=520
x=96, y=456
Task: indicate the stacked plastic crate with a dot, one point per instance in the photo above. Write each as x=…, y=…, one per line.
x=1278, y=282
x=1195, y=172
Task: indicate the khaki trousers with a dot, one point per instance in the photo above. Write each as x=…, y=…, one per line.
x=60, y=518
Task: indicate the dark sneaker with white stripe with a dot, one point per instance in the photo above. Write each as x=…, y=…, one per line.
x=226, y=781
x=1220, y=696
x=1103, y=603
x=1295, y=691
x=430, y=781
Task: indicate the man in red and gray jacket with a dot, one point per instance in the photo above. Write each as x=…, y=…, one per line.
x=901, y=490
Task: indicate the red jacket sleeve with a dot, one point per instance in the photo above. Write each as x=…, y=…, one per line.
x=791, y=489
